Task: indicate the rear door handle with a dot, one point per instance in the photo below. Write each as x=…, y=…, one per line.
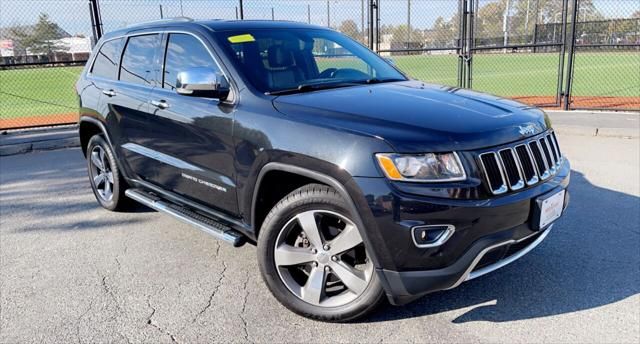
x=162, y=104
x=109, y=93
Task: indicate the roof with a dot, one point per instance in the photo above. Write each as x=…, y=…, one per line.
x=215, y=25
x=223, y=25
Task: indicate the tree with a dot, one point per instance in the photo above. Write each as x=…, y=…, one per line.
x=444, y=33
x=350, y=28
x=39, y=39
x=402, y=36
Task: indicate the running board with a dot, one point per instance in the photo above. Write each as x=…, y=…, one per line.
x=206, y=224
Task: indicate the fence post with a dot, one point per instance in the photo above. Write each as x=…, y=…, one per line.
x=461, y=42
x=241, y=9
x=565, y=9
x=96, y=20
x=571, y=57
x=470, y=41
x=371, y=24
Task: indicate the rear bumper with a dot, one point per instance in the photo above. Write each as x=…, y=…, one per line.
x=404, y=287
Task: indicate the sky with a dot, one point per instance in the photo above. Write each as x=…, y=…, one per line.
x=73, y=15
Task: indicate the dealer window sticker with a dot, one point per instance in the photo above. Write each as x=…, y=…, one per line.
x=245, y=38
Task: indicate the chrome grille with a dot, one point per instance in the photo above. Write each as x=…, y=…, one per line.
x=524, y=164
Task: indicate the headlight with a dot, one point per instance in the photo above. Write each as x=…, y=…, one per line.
x=429, y=167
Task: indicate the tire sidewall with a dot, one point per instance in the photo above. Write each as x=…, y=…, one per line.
x=273, y=224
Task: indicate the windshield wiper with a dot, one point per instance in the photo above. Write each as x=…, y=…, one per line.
x=323, y=86
x=377, y=81
x=312, y=87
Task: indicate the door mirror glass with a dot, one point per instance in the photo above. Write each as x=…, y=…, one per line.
x=202, y=82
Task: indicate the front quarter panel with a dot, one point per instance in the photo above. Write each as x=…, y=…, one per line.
x=263, y=135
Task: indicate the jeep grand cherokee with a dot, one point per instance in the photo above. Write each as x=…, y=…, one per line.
x=354, y=181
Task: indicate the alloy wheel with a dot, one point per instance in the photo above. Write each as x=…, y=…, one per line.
x=101, y=173
x=321, y=258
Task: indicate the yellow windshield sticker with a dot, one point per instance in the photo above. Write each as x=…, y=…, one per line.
x=241, y=38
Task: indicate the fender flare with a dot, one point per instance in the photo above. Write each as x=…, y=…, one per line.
x=323, y=178
x=99, y=124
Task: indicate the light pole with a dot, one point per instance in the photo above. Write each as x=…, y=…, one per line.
x=328, y=14
x=362, y=20
x=408, y=23
x=505, y=24
x=526, y=20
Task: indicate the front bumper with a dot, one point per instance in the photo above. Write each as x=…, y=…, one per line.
x=404, y=287
x=489, y=234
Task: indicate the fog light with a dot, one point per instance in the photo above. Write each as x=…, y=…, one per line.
x=431, y=235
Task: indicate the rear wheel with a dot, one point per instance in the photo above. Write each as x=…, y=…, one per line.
x=106, y=181
x=313, y=258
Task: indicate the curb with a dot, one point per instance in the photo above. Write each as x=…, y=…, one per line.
x=20, y=142
x=625, y=133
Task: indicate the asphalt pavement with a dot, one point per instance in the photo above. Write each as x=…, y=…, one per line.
x=71, y=272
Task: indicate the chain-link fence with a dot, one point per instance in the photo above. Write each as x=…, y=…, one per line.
x=511, y=57
x=529, y=50
x=606, y=59
x=422, y=38
x=43, y=46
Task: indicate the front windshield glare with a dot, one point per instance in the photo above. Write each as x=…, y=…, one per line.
x=292, y=59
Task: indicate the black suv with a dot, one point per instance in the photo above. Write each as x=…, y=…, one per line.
x=354, y=181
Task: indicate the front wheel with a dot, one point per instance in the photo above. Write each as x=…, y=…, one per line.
x=313, y=259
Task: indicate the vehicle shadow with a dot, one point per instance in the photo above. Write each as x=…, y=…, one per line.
x=590, y=259
x=33, y=191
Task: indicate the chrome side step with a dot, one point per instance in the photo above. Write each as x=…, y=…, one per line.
x=208, y=225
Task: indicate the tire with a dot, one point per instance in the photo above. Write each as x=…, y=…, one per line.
x=289, y=276
x=103, y=170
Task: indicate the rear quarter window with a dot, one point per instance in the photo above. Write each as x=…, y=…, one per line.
x=107, y=58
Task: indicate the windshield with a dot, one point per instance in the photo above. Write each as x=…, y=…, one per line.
x=291, y=60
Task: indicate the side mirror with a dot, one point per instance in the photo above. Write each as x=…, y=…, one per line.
x=202, y=82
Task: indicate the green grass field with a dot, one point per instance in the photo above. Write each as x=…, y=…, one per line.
x=44, y=91
x=38, y=91
x=595, y=74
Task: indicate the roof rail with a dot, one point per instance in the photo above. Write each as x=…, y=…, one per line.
x=160, y=21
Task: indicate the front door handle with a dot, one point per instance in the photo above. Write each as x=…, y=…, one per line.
x=109, y=93
x=162, y=104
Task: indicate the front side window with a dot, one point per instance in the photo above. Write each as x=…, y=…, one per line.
x=138, y=60
x=184, y=52
x=278, y=61
x=106, y=62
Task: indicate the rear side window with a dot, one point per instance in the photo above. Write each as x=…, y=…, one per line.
x=138, y=61
x=183, y=52
x=106, y=63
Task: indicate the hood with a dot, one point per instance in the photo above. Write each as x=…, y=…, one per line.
x=416, y=117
